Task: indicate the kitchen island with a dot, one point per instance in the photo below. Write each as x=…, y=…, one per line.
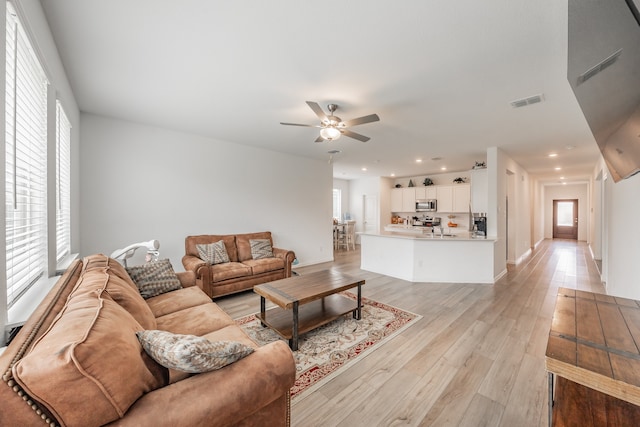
x=428, y=257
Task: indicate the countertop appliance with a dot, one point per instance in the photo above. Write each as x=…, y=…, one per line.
x=480, y=225
x=428, y=205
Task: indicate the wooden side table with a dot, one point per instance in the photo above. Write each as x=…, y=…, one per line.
x=594, y=350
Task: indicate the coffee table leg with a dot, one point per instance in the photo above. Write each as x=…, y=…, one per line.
x=358, y=313
x=293, y=342
x=263, y=311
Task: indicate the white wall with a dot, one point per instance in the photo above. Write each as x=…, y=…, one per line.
x=141, y=183
x=570, y=191
x=621, y=260
x=357, y=189
x=343, y=186
x=501, y=168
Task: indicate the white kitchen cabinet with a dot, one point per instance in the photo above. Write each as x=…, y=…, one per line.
x=453, y=198
x=444, y=196
x=479, y=190
x=461, y=197
x=431, y=192
x=409, y=199
x=421, y=193
x=396, y=199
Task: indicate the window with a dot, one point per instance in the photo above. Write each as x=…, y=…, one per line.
x=26, y=161
x=337, y=202
x=63, y=184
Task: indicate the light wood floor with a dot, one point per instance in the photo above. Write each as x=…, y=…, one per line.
x=476, y=358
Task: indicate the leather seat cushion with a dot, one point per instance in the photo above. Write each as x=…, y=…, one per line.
x=229, y=270
x=177, y=300
x=265, y=265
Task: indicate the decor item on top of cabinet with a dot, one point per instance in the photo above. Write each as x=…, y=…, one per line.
x=480, y=165
x=451, y=222
x=410, y=183
x=427, y=182
x=460, y=180
x=398, y=185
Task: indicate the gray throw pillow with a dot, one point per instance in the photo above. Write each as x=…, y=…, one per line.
x=190, y=353
x=261, y=248
x=213, y=253
x=154, y=278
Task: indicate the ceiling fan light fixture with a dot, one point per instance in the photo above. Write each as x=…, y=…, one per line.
x=330, y=133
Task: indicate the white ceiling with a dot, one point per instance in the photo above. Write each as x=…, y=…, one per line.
x=440, y=74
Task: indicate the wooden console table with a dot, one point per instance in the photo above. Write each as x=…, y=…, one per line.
x=594, y=353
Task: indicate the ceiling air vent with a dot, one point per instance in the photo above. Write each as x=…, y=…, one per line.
x=527, y=101
x=599, y=66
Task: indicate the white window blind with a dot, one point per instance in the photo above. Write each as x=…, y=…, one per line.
x=26, y=150
x=337, y=201
x=63, y=184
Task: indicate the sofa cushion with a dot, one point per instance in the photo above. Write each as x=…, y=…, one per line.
x=190, y=353
x=176, y=300
x=70, y=367
x=102, y=272
x=229, y=270
x=244, y=246
x=259, y=266
x=261, y=248
x=213, y=253
x=198, y=320
x=154, y=278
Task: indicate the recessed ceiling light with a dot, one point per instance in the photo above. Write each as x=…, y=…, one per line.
x=393, y=174
x=562, y=177
x=364, y=169
x=564, y=183
x=558, y=169
x=553, y=155
x=418, y=160
x=443, y=168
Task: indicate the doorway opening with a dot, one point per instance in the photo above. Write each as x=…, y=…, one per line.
x=565, y=219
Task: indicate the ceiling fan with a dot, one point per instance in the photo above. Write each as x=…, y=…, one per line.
x=332, y=127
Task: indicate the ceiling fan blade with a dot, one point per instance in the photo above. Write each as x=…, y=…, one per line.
x=298, y=124
x=319, y=139
x=354, y=135
x=318, y=110
x=362, y=120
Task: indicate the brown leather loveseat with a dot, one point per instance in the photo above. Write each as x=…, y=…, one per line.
x=242, y=270
x=78, y=361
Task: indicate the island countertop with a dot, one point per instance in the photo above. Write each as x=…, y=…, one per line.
x=415, y=257
x=413, y=233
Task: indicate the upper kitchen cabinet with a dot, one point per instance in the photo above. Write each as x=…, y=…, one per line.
x=408, y=199
x=426, y=193
x=453, y=198
x=479, y=190
x=403, y=200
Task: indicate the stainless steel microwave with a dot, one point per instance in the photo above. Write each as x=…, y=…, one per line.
x=429, y=205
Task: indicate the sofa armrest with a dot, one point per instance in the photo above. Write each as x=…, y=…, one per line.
x=221, y=397
x=288, y=257
x=193, y=263
x=187, y=278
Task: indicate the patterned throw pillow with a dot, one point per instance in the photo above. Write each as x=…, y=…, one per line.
x=261, y=248
x=213, y=253
x=190, y=353
x=154, y=278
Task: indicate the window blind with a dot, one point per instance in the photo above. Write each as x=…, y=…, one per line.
x=26, y=150
x=63, y=184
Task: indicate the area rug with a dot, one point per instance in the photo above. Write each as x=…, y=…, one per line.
x=323, y=352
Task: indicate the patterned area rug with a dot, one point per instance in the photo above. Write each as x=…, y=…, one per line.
x=324, y=351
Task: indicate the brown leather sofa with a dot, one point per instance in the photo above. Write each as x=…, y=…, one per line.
x=77, y=361
x=242, y=272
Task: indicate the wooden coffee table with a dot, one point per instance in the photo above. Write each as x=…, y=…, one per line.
x=307, y=302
